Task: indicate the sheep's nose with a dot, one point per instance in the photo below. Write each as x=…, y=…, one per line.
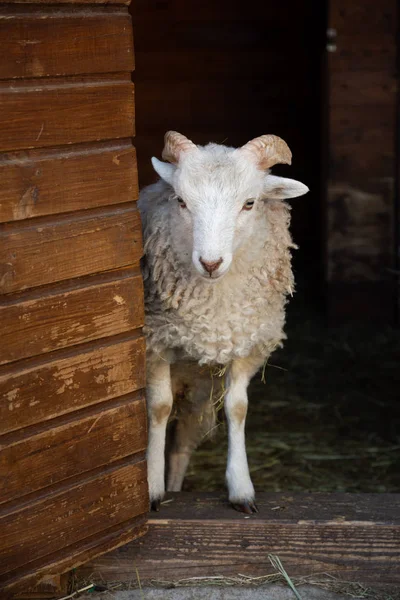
x=210, y=267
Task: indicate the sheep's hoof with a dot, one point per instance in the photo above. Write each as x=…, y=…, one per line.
x=155, y=505
x=248, y=507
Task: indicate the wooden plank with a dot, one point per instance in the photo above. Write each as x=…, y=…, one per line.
x=64, y=42
x=362, y=143
x=352, y=536
x=40, y=389
x=72, y=556
x=366, y=16
x=72, y=512
x=68, y=314
x=51, y=586
x=65, y=179
x=30, y=461
x=37, y=113
x=358, y=88
x=358, y=51
x=44, y=251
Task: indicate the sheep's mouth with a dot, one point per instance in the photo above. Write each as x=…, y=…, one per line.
x=213, y=277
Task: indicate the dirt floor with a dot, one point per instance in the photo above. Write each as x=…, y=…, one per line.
x=327, y=417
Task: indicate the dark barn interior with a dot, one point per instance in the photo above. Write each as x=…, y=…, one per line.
x=322, y=77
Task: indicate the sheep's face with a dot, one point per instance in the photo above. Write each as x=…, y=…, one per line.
x=216, y=195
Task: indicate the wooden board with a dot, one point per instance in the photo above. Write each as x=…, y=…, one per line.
x=33, y=460
x=72, y=411
x=115, y=494
x=64, y=42
x=71, y=313
x=51, y=586
x=39, y=389
x=355, y=537
x=89, y=242
x=360, y=195
x=65, y=179
x=74, y=555
x=34, y=112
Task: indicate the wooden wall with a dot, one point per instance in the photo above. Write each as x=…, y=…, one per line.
x=73, y=478
x=225, y=72
x=361, y=202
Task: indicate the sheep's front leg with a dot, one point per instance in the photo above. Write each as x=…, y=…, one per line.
x=159, y=404
x=240, y=487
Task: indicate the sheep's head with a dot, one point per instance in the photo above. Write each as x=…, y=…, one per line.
x=216, y=191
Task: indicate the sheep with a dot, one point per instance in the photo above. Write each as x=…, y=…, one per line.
x=217, y=274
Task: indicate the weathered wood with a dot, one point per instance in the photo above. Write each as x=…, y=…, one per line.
x=32, y=460
x=365, y=16
x=354, y=54
x=352, y=536
x=37, y=113
x=44, y=251
x=64, y=42
x=51, y=586
x=51, y=181
x=360, y=214
x=70, y=313
x=74, y=555
x=43, y=388
x=72, y=414
x=72, y=512
x=355, y=88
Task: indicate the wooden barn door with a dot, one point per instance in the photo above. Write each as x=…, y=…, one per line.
x=72, y=412
x=362, y=97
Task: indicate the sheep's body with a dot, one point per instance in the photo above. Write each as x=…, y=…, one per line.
x=214, y=324
x=192, y=323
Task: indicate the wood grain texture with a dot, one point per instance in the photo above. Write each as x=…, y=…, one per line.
x=50, y=586
x=358, y=88
x=37, y=113
x=40, y=389
x=74, y=555
x=34, y=461
x=72, y=512
x=363, y=95
x=365, y=16
x=64, y=42
x=44, y=251
x=67, y=314
x=352, y=536
x=65, y=179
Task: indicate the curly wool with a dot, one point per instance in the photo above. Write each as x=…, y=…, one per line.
x=214, y=323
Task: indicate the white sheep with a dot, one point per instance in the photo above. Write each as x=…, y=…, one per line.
x=217, y=271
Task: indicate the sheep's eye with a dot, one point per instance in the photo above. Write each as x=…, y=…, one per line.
x=181, y=203
x=248, y=205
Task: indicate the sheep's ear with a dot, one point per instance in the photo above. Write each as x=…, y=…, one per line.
x=164, y=170
x=281, y=188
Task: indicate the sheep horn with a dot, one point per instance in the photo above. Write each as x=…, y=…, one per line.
x=174, y=145
x=268, y=150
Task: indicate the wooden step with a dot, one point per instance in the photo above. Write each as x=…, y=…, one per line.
x=355, y=537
